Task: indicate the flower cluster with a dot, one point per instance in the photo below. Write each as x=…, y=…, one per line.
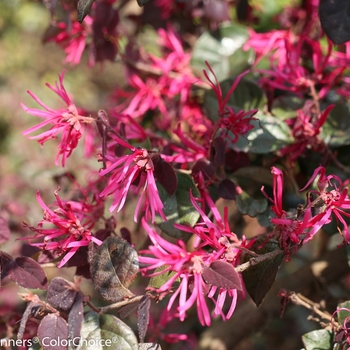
x=67, y=121
x=72, y=229
x=215, y=242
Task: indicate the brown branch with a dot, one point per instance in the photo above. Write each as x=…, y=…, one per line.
x=299, y=299
x=116, y=305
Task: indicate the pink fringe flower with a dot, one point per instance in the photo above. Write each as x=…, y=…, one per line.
x=66, y=121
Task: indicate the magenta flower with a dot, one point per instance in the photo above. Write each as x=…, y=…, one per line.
x=290, y=232
x=215, y=242
x=187, y=151
x=188, y=266
x=333, y=197
x=168, y=89
x=238, y=123
x=288, y=64
x=72, y=231
x=133, y=169
x=72, y=38
x=66, y=121
x=306, y=130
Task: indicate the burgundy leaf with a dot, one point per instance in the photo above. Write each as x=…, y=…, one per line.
x=83, y=271
x=259, y=278
x=4, y=260
x=84, y=7
x=142, y=2
x=27, y=273
x=165, y=174
x=217, y=10
x=204, y=166
x=126, y=234
x=217, y=151
x=223, y=275
x=4, y=231
x=80, y=258
x=113, y=268
x=76, y=317
x=51, y=331
x=60, y=293
x=143, y=316
x=104, y=29
x=227, y=189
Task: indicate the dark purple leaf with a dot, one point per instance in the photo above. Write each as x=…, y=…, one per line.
x=217, y=10
x=223, y=275
x=227, y=189
x=204, y=166
x=80, y=258
x=126, y=234
x=335, y=19
x=4, y=231
x=76, y=317
x=243, y=10
x=27, y=273
x=128, y=309
x=142, y=2
x=259, y=278
x=51, y=331
x=165, y=174
x=84, y=7
x=104, y=29
x=4, y=260
x=143, y=316
x=60, y=293
x=83, y=271
x=113, y=268
x=217, y=151
x=236, y=160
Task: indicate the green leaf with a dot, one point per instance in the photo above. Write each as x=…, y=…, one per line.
x=343, y=314
x=106, y=332
x=318, y=340
x=259, y=278
x=285, y=107
x=178, y=208
x=159, y=280
x=121, y=335
x=223, y=50
x=90, y=332
x=264, y=218
x=268, y=135
x=336, y=130
x=247, y=205
x=247, y=96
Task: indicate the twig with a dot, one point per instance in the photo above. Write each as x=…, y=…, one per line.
x=299, y=299
x=256, y=260
x=116, y=305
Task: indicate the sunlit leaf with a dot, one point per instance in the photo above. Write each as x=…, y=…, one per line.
x=178, y=208
x=320, y=339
